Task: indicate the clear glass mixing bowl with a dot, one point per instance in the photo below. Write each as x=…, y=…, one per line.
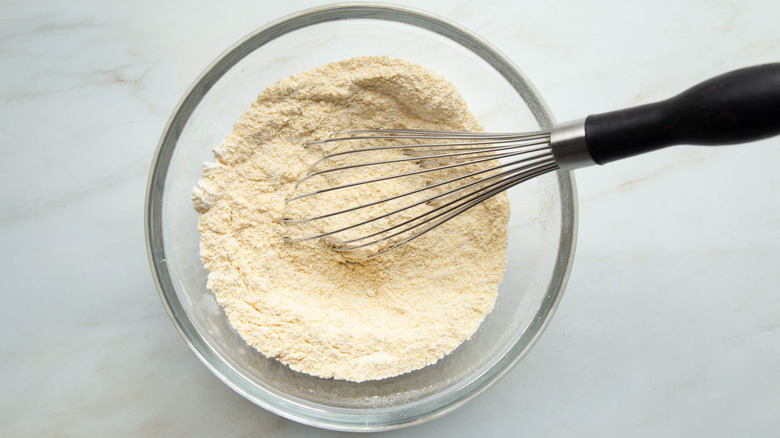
x=541, y=231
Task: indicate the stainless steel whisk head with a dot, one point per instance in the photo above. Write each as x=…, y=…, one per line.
x=522, y=156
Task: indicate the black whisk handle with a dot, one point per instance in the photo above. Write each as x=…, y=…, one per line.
x=735, y=107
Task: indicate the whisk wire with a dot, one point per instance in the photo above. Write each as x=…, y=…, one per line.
x=513, y=143
x=446, y=216
x=424, y=201
x=368, y=134
x=457, y=202
x=486, y=158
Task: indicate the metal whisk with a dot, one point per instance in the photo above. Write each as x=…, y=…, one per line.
x=736, y=107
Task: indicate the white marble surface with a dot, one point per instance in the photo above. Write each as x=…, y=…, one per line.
x=669, y=326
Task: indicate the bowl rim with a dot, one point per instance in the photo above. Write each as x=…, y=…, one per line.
x=348, y=421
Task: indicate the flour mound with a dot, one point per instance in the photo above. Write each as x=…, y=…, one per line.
x=303, y=303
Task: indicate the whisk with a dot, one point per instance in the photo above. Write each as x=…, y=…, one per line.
x=736, y=107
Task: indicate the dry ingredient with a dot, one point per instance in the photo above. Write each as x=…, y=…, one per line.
x=305, y=304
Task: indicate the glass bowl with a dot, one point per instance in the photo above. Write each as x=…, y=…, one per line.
x=542, y=228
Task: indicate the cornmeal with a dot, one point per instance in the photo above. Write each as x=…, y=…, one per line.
x=311, y=307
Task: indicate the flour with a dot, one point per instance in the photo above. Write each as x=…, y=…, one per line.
x=305, y=304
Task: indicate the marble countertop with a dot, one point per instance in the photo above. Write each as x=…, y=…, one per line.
x=669, y=325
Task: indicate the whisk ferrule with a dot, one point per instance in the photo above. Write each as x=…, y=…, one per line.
x=568, y=145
